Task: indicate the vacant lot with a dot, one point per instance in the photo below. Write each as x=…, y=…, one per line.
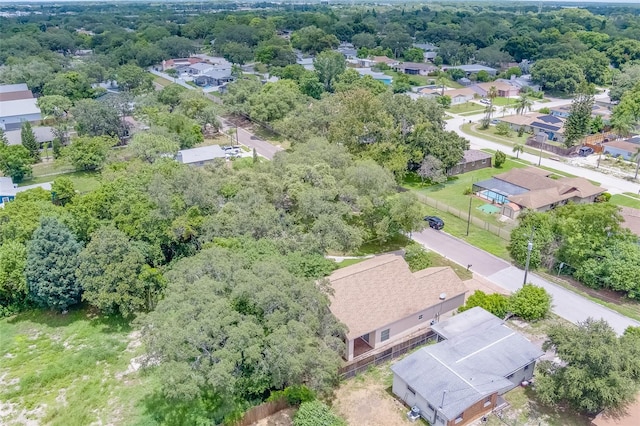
x=73, y=369
x=366, y=400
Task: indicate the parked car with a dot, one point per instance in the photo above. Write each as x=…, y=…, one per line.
x=485, y=101
x=585, y=151
x=434, y=222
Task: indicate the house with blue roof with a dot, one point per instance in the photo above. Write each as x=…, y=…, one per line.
x=461, y=378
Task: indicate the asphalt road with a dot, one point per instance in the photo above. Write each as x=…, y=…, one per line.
x=263, y=148
x=613, y=184
x=566, y=304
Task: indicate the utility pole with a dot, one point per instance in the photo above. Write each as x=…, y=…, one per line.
x=529, y=249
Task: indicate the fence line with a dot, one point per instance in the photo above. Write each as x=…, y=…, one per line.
x=502, y=232
x=395, y=351
x=262, y=411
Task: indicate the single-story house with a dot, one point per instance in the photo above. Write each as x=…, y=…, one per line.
x=180, y=62
x=214, y=77
x=43, y=134
x=198, y=68
x=384, y=60
x=415, y=68
x=625, y=149
x=386, y=79
x=201, y=156
x=465, y=81
x=472, y=159
x=307, y=63
x=8, y=190
x=381, y=301
x=504, y=90
x=430, y=50
x=551, y=125
x=521, y=121
x=473, y=69
x=533, y=189
x=563, y=111
x=348, y=50
x=460, y=96
x=19, y=106
x=520, y=82
x=462, y=378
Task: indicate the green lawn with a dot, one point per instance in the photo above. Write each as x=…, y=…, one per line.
x=625, y=201
x=503, y=101
x=508, y=142
x=437, y=260
x=162, y=81
x=452, y=192
x=82, y=181
x=466, y=107
x=69, y=370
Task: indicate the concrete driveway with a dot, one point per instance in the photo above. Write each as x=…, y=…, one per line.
x=566, y=304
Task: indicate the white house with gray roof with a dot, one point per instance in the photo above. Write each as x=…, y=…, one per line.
x=14, y=110
x=201, y=156
x=461, y=378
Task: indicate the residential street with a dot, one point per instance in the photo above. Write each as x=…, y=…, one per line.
x=263, y=148
x=566, y=304
x=613, y=184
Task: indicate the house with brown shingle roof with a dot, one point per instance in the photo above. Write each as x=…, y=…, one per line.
x=381, y=301
x=504, y=90
x=533, y=188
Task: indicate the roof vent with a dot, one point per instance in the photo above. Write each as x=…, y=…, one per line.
x=443, y=296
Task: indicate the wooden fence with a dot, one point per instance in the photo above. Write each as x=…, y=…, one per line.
x=262, y=411
x=503, y=231
x=395, y=351
x=532, y=142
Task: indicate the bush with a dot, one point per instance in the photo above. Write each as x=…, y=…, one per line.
x=544, y=110
x=530, y=302
x=295, y=395
x=316, y=413
x=417, y=257
x=603, y=198
x=497, y=304
x=499, y=159
x=503, y=129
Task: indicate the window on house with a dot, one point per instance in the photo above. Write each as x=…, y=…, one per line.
x=384, y=335
x=484, y=161
x=410, y=389
x=431, y=407
x=487, y=401
x=458, y=419
x=419, y=317
x=526, y=367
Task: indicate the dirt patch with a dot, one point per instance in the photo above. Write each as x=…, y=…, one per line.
x=367, y=400
x=281, y=418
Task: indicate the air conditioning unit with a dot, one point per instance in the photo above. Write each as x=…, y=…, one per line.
x=414, y=414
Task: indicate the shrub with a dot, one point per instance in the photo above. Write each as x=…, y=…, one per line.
x=316, y=413
x=417, y=257
x=503, y=129
x=499, y=159
x=295, y=395
x=544, y=110
x=497, y=304
x=530, y=302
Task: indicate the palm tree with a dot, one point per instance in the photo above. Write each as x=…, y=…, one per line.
x=622, y=124
x=523, y=104
x=518, y=149
x=491, y=94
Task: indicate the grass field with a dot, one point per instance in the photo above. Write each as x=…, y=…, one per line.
x=82, y=181
x=503, y=101
x=625, y=201
x=72, y=369
x=467, y=107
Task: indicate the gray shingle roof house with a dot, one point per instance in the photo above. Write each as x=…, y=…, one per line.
x=459, y=379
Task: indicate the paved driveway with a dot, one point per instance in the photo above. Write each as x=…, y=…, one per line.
x=566, y=303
